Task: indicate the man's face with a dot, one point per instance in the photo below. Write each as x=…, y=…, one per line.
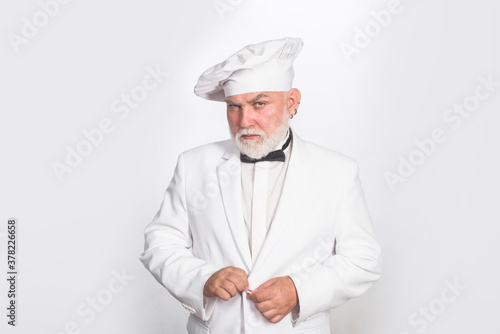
x=257, y=121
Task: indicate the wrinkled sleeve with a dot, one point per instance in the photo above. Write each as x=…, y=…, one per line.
x=353, y=265
x=168, y=250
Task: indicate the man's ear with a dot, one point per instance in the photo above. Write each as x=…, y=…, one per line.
x=293, y=101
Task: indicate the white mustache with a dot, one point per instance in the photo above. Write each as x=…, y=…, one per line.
x=243, y=132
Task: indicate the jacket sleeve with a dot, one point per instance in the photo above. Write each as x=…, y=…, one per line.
x=168, y=250
x=354, y=261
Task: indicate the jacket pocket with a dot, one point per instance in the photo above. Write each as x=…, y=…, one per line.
x=197, y=326
x=322, y=329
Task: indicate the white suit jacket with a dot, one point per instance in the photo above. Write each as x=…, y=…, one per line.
x=321, y=237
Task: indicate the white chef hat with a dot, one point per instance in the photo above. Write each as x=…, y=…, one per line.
x=261, y=67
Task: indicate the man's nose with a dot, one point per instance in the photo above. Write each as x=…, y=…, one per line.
x=246, y=117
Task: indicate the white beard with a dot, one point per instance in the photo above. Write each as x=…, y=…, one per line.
x=258, y=150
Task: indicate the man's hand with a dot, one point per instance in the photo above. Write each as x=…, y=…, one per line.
x=226, y=283
x=275, y=298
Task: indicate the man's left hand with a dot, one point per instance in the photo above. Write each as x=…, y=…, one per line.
x=275, y=298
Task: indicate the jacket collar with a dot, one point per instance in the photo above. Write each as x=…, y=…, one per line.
x=296, y=180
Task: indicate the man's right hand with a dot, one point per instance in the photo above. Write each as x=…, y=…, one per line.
x=226, y=283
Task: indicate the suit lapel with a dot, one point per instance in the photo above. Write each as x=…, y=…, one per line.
x=229, y=176
x=297, y=178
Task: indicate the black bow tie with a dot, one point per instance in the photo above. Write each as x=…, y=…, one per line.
x=278, y=155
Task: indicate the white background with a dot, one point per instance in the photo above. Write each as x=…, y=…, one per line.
x=440, y=225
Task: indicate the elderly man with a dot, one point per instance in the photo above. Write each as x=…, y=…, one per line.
x=265, y=232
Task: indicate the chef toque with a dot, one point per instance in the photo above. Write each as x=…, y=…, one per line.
x=262, y=67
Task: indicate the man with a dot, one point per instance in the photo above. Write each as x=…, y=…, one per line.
x=263, y=233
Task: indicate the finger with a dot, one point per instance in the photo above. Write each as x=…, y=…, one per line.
x=229, y=287
x=237, y=275
x=231, y=279
x=243, y=280
x=267, y=293
x=276, y=318
x=273, y=315
x=221, y=293
x=259, y=296
x=265, y=306
x=251, y=296
x=255, y=297
x=240, y=282
x=237, y=271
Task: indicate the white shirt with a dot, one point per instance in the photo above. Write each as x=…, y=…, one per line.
x=261, y=185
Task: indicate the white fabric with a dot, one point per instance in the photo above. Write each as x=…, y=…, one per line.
x=261, y=185
x=266, y=66
x=259, y=209
x=200, y=229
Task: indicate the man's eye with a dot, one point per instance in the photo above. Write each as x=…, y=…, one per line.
x=259, y=104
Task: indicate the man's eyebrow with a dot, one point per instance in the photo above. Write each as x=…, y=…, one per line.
x=228, y=101
x=249, y=102
x=256, y=98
